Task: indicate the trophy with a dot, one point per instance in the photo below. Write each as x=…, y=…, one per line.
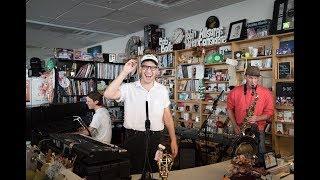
x=165, y=162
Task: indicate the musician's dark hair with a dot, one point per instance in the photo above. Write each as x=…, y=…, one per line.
x=96, y=96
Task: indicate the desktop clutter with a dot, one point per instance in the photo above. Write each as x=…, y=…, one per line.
x=243, y=167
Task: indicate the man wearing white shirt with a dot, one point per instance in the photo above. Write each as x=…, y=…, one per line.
x=134, y=95
x=100, y=126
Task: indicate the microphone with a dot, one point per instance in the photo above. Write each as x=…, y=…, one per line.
x=147, y=123
x=78, y=118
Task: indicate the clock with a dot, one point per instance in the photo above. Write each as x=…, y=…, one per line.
x=212, y=22
x=178, y=36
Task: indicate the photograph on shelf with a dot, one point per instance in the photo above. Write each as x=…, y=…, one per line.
x=284, y=70
x=283, y=16
x=285, y=93
x=258, y=29
x=261, y=51
x=267, y=63
x=253, y=51
x=287, y=116
x=285, y=47
x=279, y=128
x=268, y=50
x=257, y=63
x=167, y=72
x=93, y=51
x=270, y=160
x=237, y=30
x=62, y=53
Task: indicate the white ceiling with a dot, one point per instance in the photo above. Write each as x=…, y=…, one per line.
x=80, y=23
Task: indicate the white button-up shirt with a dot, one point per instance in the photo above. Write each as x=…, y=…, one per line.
x=135, y=97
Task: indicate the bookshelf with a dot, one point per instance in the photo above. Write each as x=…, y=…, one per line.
x=82, y=77
x=167, y=75
x=187, y=94
x=283, y=85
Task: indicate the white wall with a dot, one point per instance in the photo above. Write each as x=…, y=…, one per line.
x=252, y=10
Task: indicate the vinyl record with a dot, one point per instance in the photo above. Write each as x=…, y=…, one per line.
x=212, y=22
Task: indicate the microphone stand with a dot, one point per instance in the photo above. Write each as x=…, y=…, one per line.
x=146, y=175
x=78, y=118
x=205, y=123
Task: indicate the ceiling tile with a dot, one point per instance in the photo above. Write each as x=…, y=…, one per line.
x=143, y=9
x=67, y=23
x=39, y=18
x=103, y=25
x=123, y=16
x=85, y=13
x=49, y=8
x=113, y=4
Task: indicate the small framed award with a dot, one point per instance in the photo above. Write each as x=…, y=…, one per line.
x=270, y=160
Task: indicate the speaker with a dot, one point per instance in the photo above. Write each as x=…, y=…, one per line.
x=187, y=155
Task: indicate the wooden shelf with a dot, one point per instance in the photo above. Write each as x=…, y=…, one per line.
x=285, y=107
x=207, y=114
x=285, y=80
x=219, y=103
x=218, y=45
x=254, y=58
x=285, y=55
x=210, y=82
x=282, y=135
x=72, y=95
x=284, y=35
x=188, y=91
x=262, y=69
x=215, y=92
x=215, y=64
x=190, y=101
x=253, y=40
x=166, y=68
x=80, y=78
x=269, y=133
x=169, y=76
x=158, y=54
x=103, y=79
x=191, y=112
x=187, y=79
x=189, y=64
x=74, y=61
x=292, y=123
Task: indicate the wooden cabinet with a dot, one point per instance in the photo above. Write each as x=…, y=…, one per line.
x=283, y=85
x=276, y=69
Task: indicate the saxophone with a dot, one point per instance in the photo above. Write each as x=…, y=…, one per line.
x=248, y=129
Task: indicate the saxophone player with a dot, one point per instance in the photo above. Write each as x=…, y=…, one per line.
x=242, y=98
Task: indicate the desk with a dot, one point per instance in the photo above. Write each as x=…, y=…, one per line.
x=208, y=172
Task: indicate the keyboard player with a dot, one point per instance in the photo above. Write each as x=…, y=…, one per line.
x=100, y=126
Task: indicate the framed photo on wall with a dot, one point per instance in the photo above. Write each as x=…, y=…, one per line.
x=93, y=51
x=237, y=30
x=283, y=16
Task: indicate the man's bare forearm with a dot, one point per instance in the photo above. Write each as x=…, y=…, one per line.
x=113, y=88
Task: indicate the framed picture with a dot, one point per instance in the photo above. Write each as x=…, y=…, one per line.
x=237, y=30
x=270, y=160
x=94, y=50
x=283, y=16
x=284, y=69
